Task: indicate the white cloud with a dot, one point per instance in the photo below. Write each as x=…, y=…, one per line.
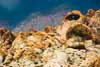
x=9, y=4
x=38, y=21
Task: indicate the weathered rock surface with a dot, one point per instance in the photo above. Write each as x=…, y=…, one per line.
x=74, y=43
x=6, y=39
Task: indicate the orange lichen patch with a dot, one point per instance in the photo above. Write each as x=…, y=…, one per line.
x=2, y=53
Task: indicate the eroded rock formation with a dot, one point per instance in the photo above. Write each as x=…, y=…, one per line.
x=74, y=43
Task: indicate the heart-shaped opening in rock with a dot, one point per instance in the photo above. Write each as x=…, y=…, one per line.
x=72, y=17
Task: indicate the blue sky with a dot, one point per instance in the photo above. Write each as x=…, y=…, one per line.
x=9, y=4
x=12, y=12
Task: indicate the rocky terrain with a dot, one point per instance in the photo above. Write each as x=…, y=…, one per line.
x=73, y=43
